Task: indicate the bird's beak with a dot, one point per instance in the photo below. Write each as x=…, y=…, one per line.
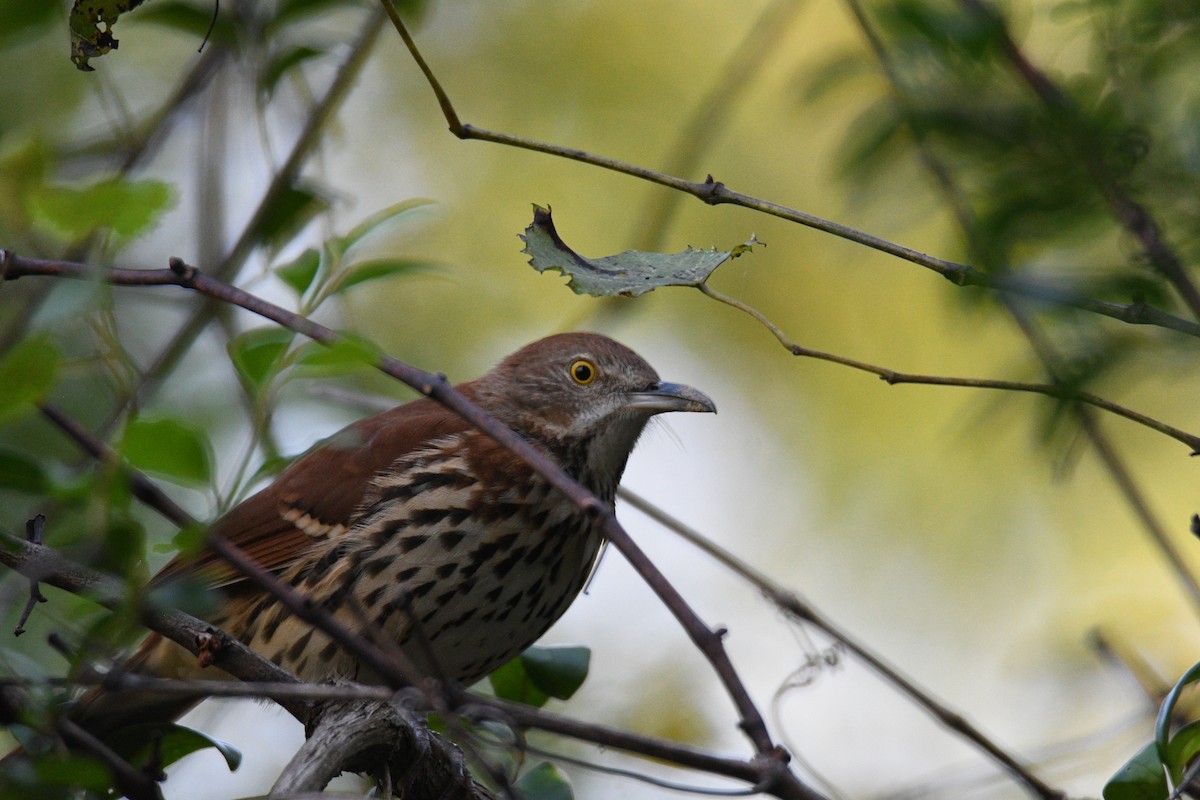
x=661, y=397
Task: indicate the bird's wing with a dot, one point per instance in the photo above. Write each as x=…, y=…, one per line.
x=317, y=496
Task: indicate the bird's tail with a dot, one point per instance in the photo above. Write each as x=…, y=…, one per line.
x=102, y=710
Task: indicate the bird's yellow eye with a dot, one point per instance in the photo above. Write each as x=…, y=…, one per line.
x=583, y=372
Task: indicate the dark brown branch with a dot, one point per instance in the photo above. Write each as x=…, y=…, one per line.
x=359, y=738
x=714, y=192
x=33, y=533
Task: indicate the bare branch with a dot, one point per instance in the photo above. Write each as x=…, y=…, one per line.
x=795, y=606
x=714, y=192
x=1057, y=390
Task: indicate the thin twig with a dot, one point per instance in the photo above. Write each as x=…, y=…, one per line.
x=800, y=609
x=892, y=377
x=33, y=533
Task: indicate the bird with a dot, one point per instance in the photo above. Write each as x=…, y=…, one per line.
x=447, y=544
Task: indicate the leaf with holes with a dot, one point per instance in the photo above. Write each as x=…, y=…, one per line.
x=87, y=39
x=627, y=274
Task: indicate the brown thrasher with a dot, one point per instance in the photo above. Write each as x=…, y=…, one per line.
x=450, y=545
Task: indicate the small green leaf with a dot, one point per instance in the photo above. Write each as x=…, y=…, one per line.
x=124, y=544
x=78, y=772
x=544, y=782
x=299, y=273
x=1142, y=778
x=1184, y=746
x=370, y=271
x=279, y=66
x=510, y=681
x=557, y=670
x=348, y=354
x=289, y=211
x=127, y=208
x=1162, y=727
x=377, y=221
x=627, y=274
x=20, y=473
x=136, y=744
x=26, y=375
x=257, y=354
x=168, y=447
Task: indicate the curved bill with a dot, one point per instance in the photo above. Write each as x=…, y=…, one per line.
x=662, y=396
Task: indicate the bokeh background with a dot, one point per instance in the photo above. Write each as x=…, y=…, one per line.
x=970, y=537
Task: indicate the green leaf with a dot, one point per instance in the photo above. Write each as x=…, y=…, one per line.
x=557, y=670
x=127, y=208
x=168, y=447
x=1184, y=746
x=627, y=274
x=26, y=375
x=1142, y=778
x=136, y=744
x=378, y=221
x=280, y=64
x=289, y=211
x=20, y=473
x=540, y=673
x=77, y=772
x=370, y=271
x=1162, y=727
x=299, y=272
x=257, y=354
x=510, y=681
x=348, y=354
x=22, y=19
x=544, y=782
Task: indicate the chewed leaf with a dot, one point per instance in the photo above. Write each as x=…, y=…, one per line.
x=627, y=274
x=88, y=39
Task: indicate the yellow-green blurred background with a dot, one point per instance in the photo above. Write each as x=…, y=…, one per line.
x=939, y=525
